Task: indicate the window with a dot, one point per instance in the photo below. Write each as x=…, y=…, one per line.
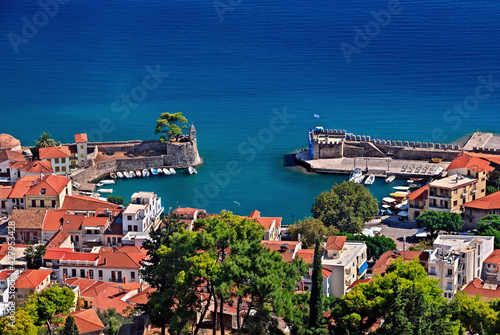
x=82, y=273
x=42, y=191
x=42, y=203
x=81, y=146
x=54, y=203
x=129, y=217
x=91, y=274
x=56, y=160
x=450, y=272
x=132, y=275
x=73, y=272
x=129, y=227
x=448, y=286
x=455, y=203
x=33, y=203
x=135, y=228
x=63, y=169
x=63, y=160
x=433, y=271
x=77, y=238
x=57, y=169
x=119, y=240
x=100, y=273
x=82, y=155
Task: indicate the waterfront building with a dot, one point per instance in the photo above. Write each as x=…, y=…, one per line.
x=143, y=213
x=477, y=209
x=79, y=152
x=272, y=225
x=48, y=191
x=59, y=157
x=347, y=260
x=457, y=260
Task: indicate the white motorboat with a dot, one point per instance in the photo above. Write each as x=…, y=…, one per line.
x=119, y=174
x=132, y=174
x=154, y=172
x=192, y=170
x=126, y=174
x=138, y=173
x=113, y=175
x=105, y=190
x=390, y=179
x=166, y=171
x=145, y=173
x=160, y=170
x=99, y=184
x=401, y=188
x=357, y=176
x=172, y=171
x=370, y=180
x=107, y=181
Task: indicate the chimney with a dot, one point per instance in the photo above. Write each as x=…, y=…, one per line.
x=125, y=280
x=88, y=274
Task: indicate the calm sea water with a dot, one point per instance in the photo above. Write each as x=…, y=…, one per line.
x=228, y=76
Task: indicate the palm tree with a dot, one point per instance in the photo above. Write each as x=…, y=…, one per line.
x=45, y=141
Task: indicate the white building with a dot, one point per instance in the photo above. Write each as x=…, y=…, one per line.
x=347, y=261
x=7, y=158
x=143, y=212
x=58, y=156
x=458, y=259
x=7, y=278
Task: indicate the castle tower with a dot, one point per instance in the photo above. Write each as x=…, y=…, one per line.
x=192, y=133
x=81, y=150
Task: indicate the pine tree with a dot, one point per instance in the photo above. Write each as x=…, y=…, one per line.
x=70, y=327
x=316, y=300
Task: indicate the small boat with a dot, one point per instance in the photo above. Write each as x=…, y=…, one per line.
x=119, y=174
x=106, y=190
x=160, y=170
x=112, y=175
x=370, y=180
x=108, y=182
x=386, y=206
x=166, y=171
x=145, y=173
x=99, y=184
x=126, y=174
x=192, y=170
x=388, y=199
x=132, y=174
x=154, y=172
x=436, y=160
x=390, y=179
x=401, y=188
x=138, y=173
x=172, y=171
x=357, y=176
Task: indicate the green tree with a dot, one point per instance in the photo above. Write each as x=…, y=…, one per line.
x=474, y=314
x=34, y=255
x=434, y=221
x=22, y=324
x=52, y=300
x=115, y=199
x=489, y=221
x=45, y=141
x=70, y=327
x=316, y=300
x=493, y=179
x=347, y=206
x=170, y=126
x=310, y=229
x=491, y=190
x=406, y=287
x=376, y=246
x=112, y=321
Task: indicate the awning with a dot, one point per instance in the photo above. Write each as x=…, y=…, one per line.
x=386, y=206
x=403, y=213
x=362, y=268
x=388, y=199
x=399, y=194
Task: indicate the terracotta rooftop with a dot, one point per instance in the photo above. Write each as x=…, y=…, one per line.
x=80, y=202
x=22, y=186
x=8, y=141
x=266, y=222
x=53, y=220
x=419, y=194
x=54, y=152
x=32, y=278
x=58, y=239
x=4, y=274
x=28, y=218
x=96, y=221
x=494, y=257
x=9, y=155
x=72, y=222
x=55, y=253
x=33, y=166
x=87, y=321
x=491, y=201
x=187, y=211
x=335, y=242
x=306, y=254
x=141, y=298
x=476, y=287
x=470, y=162
x=5, y=191
x=112, y=297
x=360, y=281
x=81, y=138
x=387, y=257
x=120, y=260
x=49, y=185
x=89, y=288
x=489, y=157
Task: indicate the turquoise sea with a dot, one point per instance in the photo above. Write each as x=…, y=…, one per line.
x=413, y=72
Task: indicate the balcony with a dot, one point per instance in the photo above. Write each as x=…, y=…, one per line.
x=439, y=195
x=439, y=208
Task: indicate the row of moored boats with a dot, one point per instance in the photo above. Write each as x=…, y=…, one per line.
x=358, y=177
x=147, y=173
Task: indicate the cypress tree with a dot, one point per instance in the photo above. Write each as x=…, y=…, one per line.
x=316, y=300
x=70, y=327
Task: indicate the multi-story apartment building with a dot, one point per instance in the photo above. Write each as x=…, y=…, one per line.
x=346, y=260
x=477, y=209
x=143, y=212
x=457, y=260
x=48, y=191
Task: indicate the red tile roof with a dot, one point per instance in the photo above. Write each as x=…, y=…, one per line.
x=22, y=186
x=55, y=253
x=494, y=257
x=5, y=191
x=491, y=201
x=54, y=152
x=360, y=281
x=326, y=272
x=141, y=298
x=387, y=257
x=470, y=163
x=476, y=287
x=255, y=214
x=28, y=218
x=58, y=239
x=89, y=288
x=80, y=202
x=80, y=256
x=96, y=221
x=306, y=254
x=33, y=167
x=186, y=211
x=53, y=220
x=53, y=185
x=489, y=157
x=81, y=138
x=9, y=155
x=335, y=242
x=87, y=321
x=419, y=194
x=112, y=297
x=4, y=274
x=32, y=278
x=72, y=222
x=266, y=222
x=120, y=260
